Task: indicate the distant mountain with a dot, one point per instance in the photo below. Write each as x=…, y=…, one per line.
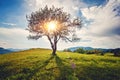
x=3, y=51
x=85, y=48
x=116, y=51
x=14, y=50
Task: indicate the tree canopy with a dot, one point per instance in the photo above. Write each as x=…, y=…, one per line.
x=53, y=23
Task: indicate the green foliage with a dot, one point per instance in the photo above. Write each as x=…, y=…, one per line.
x=67, y=50
x=39, y=64
x=116, y=52
x=95, y=51
x=80, y=50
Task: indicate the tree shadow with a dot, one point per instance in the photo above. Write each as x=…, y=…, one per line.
x=66, y=71
x=92, y=72
x=4, y=71
x=33, y=72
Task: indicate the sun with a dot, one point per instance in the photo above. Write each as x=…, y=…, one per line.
x=52, y=25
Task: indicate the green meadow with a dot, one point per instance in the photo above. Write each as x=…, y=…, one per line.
x=39, y=64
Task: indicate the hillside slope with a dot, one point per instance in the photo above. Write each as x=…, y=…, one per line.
x=38, y=64
x=3, y=51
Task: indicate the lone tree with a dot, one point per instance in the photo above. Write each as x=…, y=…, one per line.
x=53, y=23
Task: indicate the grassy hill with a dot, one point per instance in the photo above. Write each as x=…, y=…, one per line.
x=38, y=64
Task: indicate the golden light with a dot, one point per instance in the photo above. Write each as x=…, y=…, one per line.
x=52, y=26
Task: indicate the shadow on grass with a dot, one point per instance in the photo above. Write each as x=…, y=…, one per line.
x=4, y=71
x=81, y=72
x=33, y=72
x=97, y=73
x=64, y=68
x=7, y=73
x=66, y=71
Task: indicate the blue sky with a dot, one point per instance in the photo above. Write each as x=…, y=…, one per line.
x=101, y=25
x=95, y=2
x=9, y=12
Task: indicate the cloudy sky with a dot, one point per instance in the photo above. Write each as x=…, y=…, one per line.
x=101, y=22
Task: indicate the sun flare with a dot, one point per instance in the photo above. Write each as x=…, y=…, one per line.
x=52, y=26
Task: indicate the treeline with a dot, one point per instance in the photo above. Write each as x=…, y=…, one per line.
x=116, y=51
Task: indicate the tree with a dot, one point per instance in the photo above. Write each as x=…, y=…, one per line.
x=53, y=23
x=80, y=50
x=67, y=50
x=116, y=51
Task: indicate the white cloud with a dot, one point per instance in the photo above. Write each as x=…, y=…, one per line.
x=9, y=24
x=70, y=6
x=3, y=43
x=13, y=32
x=94, y=35
x=104, y=18
x=17, y=38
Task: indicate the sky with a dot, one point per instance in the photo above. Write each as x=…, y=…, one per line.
x=101, y=23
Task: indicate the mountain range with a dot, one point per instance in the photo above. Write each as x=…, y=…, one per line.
x=9, y=50
x=75, y=48
x=90, y=48
x=2, y=50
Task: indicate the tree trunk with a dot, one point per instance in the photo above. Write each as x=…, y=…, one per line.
x=54, y=48
x=54, y=52
x=53, y=44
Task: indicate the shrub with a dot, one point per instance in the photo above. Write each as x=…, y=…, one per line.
x=80, y=50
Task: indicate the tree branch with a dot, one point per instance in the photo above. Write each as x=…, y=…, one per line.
x=58, y=38
x=66, y=38
x=50, y=41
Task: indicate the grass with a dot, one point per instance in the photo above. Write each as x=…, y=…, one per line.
x=38, y=64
